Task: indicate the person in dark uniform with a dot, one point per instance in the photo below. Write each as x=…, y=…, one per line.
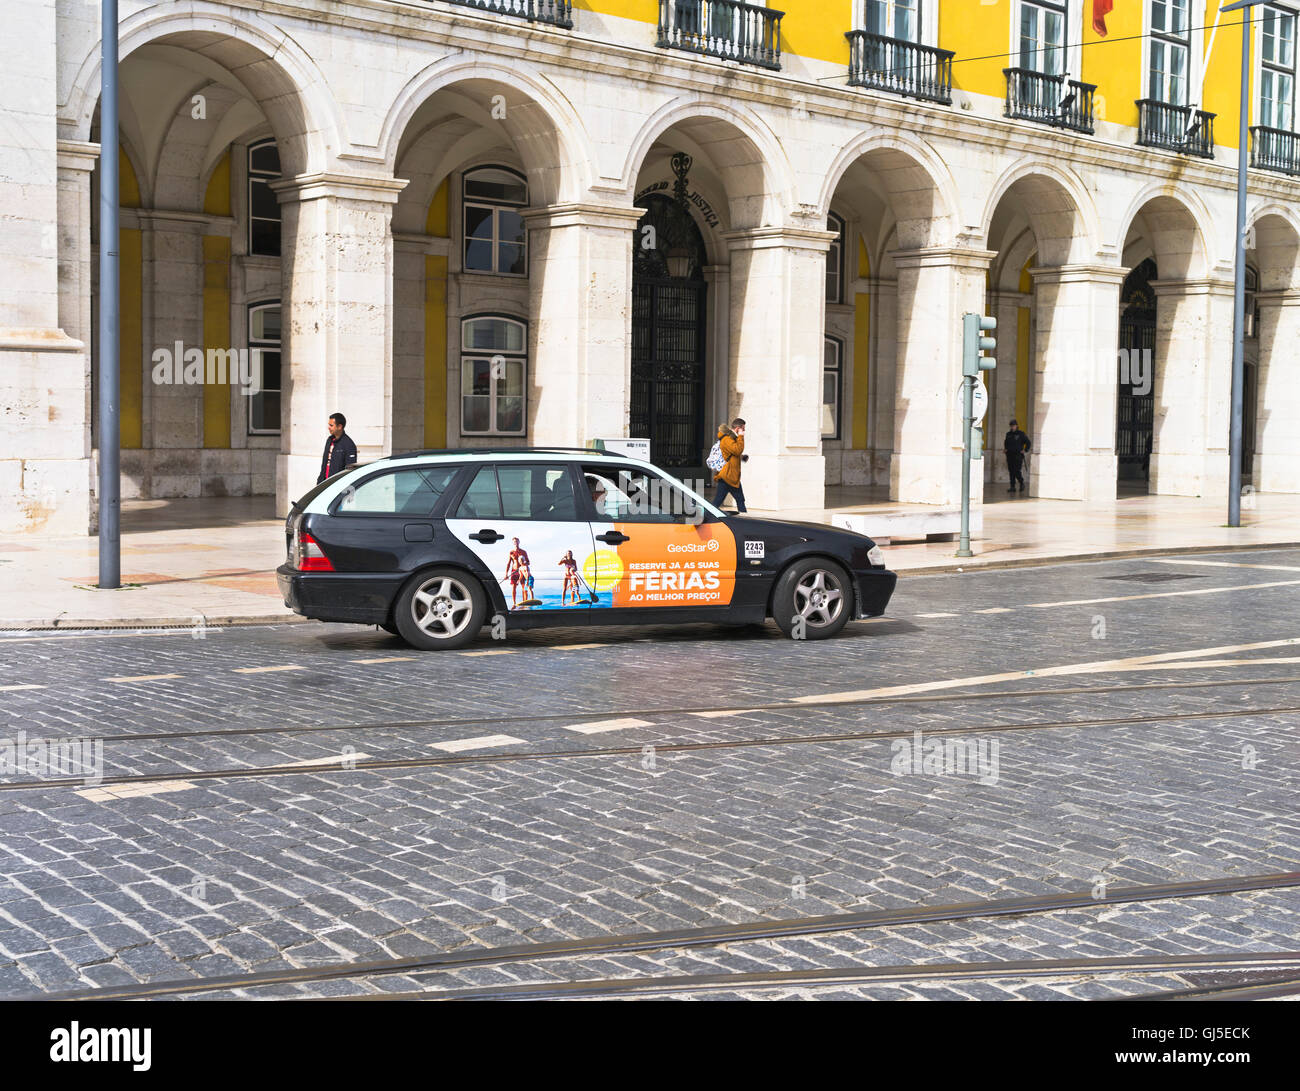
x=340, y=451
x=1016, y=444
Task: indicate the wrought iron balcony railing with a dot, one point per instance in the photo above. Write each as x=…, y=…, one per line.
x=1049, y=100
x=556, y=13
x=722, y=28
x=1178, y=128
x=1274, y=149
x=903, y=68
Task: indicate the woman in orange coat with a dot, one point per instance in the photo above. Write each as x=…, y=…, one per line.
x=732, y=442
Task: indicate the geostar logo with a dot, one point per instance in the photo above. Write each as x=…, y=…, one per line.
x=114, y=1045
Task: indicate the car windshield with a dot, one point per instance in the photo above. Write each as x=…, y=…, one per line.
x=311, y=494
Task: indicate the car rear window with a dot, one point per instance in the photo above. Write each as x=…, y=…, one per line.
x=413, y=491
x=311, y=494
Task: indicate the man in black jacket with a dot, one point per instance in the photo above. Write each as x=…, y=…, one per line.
x=340, y=451
x=1015, y=445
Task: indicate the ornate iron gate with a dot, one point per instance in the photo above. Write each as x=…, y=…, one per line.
x=1135, y=412
x=668, y=335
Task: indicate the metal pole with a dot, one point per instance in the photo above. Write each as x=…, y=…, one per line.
x=110, y=424
x=968, y=415
x=1239, y=285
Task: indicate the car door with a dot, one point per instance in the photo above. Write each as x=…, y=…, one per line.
x=654, y=545
x=522, y=520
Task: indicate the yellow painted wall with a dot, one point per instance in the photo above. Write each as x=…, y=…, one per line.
x=216, y=202
x=861, y=368
x=980, y=35
x=1022, y=368
x=1115, y=63
x=128, y=186
x=435, y=351
x=1223, y=73
x=216, y=335
x=436, y=223
x=131, y=336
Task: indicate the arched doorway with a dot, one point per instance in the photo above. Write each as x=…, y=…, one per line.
x=669, y=303
x=1135, y=402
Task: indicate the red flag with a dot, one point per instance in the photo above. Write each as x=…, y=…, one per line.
x=1100, y=9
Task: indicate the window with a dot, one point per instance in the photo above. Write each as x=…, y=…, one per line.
x=832, y=385
x=412, y=492
x=1042, y=37
x=495, y=238
x=892, y=19
x=263, y=208
x=264, y=355
x=1252, y=301
x=1277, y=76
x=835, y=261
x=482, y=500
x=537, y=492
x=637, y=496
x=492, y=370
x=1169, y=51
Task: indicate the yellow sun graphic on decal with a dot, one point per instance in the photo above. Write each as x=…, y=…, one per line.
x=602, y=570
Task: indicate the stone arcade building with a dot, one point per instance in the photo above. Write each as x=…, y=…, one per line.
x=508, y=221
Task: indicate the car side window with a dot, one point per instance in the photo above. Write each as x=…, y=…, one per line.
x=629, y=495
x=537, y=492
x=482, y=500
x=414, y=492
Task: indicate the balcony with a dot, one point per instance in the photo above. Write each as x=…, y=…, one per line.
x=556, y=13
x=722, y=28
x=1274, y=149
x=901, y=68
x=1049, y=100
x=1176, y=128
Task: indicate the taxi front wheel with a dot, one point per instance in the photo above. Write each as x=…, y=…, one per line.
x=440, y=608
x=813, y=599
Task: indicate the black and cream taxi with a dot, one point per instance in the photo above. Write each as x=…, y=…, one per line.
x=434, y=545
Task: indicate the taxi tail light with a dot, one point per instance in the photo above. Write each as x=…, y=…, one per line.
x=311, y=558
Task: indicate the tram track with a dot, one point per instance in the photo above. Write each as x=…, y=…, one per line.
x=345, y=764
x=705, y=936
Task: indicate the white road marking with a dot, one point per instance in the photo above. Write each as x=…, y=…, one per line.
x=493, y=651
x=936, y=615
x=10, y=689
x=1230, y=564
x=576, y=647
x=605, y=725
x=329, y=759
x=128, y=791
x=995, y=610
x=1162, y=594
x=726, y=712
x=1100, y=666
x=482, y=742
x=266, y=670
x=141, y=677
x=387, y=659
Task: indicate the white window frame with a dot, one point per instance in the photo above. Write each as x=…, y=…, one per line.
x=1195, y=59
x=495, y=207
x=836, y=256
x=1074, y=16
x=838, y=371
x=261, y=177
x=257, y=346
x=1257, y=99
x=470, y=355
x=927, y=20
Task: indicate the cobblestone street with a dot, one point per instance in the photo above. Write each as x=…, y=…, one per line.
x=322, y=797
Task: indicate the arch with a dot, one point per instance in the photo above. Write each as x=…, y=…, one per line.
x=759, y=168
x=925, y=158
x=1063, y=234
x=1171, y=202
x=1276, y=245
x=279, y=74
x=571, y=155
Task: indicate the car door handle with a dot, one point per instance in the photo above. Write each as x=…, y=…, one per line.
x=487, y=536
x=613, y=537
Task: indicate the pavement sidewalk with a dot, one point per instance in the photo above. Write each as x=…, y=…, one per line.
x=212, y=562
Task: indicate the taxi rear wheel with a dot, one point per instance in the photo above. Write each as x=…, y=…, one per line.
x=440, y=608
x=813, y=599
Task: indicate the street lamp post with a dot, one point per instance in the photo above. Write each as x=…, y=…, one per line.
x=110, y=421
x=1239, y=270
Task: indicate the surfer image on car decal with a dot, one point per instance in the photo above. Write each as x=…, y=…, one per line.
x=520, y=574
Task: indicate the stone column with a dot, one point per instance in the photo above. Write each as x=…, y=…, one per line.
x=883, y=335
x=1193, y=387
x=44, y=461
x=173, y=287
x=580, y=322
x=936, y=286
x=1277, y=433
x=338, y=330
x=1074, y=395
x=409, y=253
x=778, y=300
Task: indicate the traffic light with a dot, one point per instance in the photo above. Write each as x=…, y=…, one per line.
x=972, y=344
